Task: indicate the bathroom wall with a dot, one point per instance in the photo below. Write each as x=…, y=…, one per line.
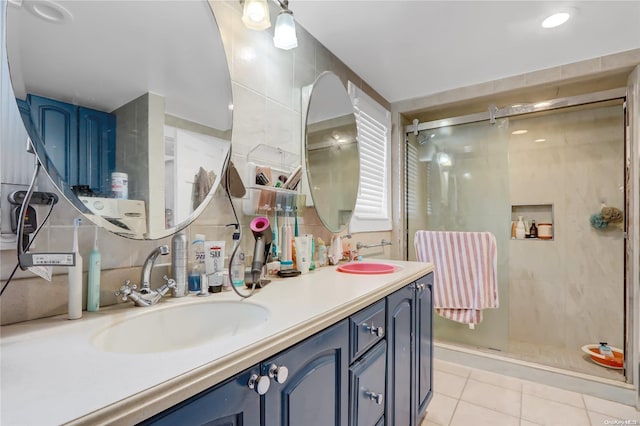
x=266, y=84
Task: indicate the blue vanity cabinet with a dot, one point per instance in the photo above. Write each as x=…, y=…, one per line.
x=230, y=403
x=401, y=313
x=409, y=352
x=367, y=378
x=424, y=343
x=79, y=142
x=315, y=393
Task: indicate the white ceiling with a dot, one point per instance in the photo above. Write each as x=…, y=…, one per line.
x=409, y=49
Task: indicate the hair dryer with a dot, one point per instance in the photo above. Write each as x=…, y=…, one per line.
x=262, y=233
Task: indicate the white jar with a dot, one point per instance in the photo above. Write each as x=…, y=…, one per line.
x=120, y=185
x=545, y=231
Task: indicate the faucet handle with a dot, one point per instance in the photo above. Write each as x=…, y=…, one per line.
x=171, y=283
x=125, y=290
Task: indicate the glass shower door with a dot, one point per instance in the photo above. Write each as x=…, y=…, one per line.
x=457, y=180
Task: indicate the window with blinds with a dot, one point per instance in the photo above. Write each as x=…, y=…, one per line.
x=373, y=207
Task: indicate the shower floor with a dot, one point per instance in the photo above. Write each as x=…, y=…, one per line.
x=566, y=359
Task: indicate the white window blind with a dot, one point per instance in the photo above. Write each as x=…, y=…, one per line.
x=373, y=207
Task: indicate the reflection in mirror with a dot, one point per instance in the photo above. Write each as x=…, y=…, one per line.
x=333, y=164
x=128, y=105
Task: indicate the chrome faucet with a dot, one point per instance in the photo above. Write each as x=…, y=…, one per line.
x=383, y=243
x=148, y=265
x=146, y=296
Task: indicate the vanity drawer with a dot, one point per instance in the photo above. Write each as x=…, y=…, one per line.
x=367, y=387
x=366, y=328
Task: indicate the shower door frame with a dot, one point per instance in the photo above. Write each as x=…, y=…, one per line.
x=629, y=333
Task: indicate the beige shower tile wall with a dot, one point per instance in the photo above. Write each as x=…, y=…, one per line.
x=266, y=84
x=568, y=292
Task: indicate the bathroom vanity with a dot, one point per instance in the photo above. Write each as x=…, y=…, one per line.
x=326, y=348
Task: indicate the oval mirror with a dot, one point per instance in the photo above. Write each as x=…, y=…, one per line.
x=128, y=105
x=331, y=151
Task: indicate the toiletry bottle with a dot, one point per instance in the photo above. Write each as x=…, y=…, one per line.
x=237, y=264
x=322, y=252
x=75, y=278
x=605, y=350
x=533, y=231
x=179, y=263
x=520, y=229
x=93, y=281
x=197, y=268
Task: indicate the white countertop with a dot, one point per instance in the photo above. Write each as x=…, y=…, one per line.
x=51, y=373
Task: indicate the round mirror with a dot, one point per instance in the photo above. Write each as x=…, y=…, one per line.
x=331, y=148
x=128, y=105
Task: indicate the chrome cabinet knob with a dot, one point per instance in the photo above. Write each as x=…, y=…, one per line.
x=279, y=373
x=420, y=287
x=378, y=398
x=375, y=331
x=259, y=383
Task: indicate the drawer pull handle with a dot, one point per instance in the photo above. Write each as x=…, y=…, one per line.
x=259, y=383
x=420, y=287
x=279, y=373
x=375, y=331
x=377, y=397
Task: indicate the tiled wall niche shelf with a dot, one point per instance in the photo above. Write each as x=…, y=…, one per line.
x=541, y=213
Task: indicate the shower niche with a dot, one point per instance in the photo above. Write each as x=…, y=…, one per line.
x=542, y=214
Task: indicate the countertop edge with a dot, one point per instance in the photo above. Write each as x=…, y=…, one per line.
x=171, y=392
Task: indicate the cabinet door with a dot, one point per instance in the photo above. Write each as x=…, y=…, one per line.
x=367, y=387
x=57, y=124
x=317, y=388
x=400, y=407
x=424, y=346
x=231, y=403
x=96, y=149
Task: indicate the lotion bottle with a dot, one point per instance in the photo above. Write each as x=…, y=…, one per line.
x=75, y=278
x=93, y=280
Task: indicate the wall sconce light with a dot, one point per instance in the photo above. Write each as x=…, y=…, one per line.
x=284, y=36
x=255, y=15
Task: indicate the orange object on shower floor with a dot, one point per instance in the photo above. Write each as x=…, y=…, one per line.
x=617, y=362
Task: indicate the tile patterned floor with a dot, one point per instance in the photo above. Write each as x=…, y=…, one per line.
x=466, y=396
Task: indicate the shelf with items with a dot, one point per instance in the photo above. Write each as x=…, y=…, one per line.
x=540, y=214
x=274, y=181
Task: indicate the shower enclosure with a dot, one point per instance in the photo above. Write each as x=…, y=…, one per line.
x=555, y=164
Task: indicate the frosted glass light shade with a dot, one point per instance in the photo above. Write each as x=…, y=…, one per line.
x=255, y=15
x=284, y=36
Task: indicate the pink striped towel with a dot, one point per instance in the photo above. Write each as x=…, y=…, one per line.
x=466, y=272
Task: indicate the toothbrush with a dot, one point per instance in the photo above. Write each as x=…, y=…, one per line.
x=75, y=278
x=93, y=280
x=274, y=242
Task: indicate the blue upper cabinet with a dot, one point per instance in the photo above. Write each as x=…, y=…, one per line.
x=96, y=145
x=57, y=125
x=79, y=142
x=316, y=391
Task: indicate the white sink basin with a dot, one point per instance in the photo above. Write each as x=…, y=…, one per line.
x=171, y=328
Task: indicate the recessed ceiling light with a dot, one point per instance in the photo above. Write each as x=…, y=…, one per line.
x=540, y=140
x=519, y=132
x=556, y=20
x=50, y=11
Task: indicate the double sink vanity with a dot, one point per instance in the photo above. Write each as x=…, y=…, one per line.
x=343, y=349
